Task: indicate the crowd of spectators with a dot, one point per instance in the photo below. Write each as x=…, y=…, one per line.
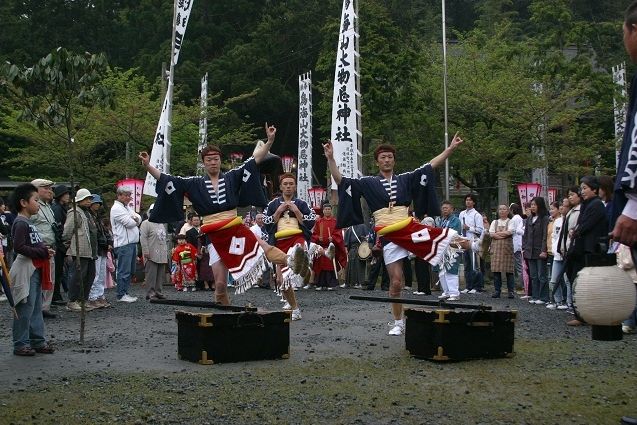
x=538, y=254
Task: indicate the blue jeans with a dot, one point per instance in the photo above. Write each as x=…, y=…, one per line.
x=632, y=319
x=28, y=328
x=497, y=282
x=519, y=281
x=472, y=275
x=537, y=273
x=126, y=261
x=557, y=282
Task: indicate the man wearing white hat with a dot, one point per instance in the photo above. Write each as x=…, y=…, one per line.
x=124, y=224
x=45, y=222
x=82, y=247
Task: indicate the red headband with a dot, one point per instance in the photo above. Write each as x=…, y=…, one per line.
x=383, y=149
x=211, y=150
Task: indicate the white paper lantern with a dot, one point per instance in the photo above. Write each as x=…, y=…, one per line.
x=604, y=296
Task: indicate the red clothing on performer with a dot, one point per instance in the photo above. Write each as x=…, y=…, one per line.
x=324, y=232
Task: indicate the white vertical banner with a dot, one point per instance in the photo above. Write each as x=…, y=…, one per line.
x=203, y=122
x=619, y=107
x=160, y=154
x=182, y=13
x=304, y=170
x=346, y=133
x=540, y=175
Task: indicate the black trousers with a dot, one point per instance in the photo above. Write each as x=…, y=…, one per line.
x=378, y=268
x=407, y=272
x=60, y=275
x=423, y=275
x=83, y=280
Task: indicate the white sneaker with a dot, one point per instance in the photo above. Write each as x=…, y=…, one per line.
x=453, y=298
x=443, y=296
x=628, y=329
x=296, y=314
x=551, y=306
x=539, y=302
x=342, y=286
x=562, y=307
x=418, y=293
x=307, y=287
x=531, y=301
x=397, y=330
x=318, y=288
x=524, y=297
x=3, y=297
x=287, y=306
x=73, y=306
x=465, y=291
x=473, y=291
x=127, y=299
x=407, y=288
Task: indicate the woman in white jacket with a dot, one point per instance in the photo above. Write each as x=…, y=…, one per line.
x=517, y=224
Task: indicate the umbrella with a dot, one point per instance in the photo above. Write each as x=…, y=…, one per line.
x=5, y=279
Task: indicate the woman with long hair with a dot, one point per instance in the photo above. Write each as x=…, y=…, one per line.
x=534, y=246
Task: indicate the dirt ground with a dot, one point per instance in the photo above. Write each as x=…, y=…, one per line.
x=343, y=368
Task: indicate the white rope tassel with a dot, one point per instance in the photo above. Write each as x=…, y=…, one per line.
x=251, y=278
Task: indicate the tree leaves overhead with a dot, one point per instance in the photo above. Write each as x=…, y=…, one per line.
x=253, y=50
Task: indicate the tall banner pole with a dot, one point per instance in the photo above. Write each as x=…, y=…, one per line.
x=304, y=177
x=203, y=123
x=444, y=90
x=619, y=107
x=346, y=132
x=160, y=154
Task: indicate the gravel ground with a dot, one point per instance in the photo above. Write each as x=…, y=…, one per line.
x=343, y=368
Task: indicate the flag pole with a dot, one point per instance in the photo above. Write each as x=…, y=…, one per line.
x=444, y=62
x=171, y=76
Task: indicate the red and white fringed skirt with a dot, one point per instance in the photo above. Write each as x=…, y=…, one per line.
x=428, y=243
x=237, y=248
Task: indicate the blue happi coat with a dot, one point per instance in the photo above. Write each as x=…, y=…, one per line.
x=418, y=186
x=239, y=187
x=309, y=217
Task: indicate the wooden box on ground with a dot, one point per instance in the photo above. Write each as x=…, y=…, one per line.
x=209, y=338
x=448, y=335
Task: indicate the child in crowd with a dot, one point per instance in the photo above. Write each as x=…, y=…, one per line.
x=184, y=270
x=29, y=274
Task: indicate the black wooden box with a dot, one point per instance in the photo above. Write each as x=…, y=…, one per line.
x=448, y=335
x=209, y=338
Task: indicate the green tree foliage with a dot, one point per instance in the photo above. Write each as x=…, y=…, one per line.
x=103, y=136
x=59, y=95
x=254, y=50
